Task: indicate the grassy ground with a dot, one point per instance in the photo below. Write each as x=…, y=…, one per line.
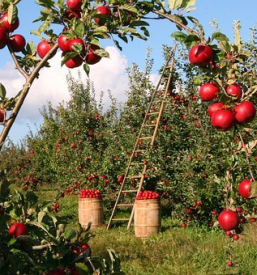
x=174, y=250
x=179, y=251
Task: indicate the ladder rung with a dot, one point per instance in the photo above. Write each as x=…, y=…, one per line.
x=150, y=125
x=146, y=137
x=134, y=177
x=139, y=151
x=125, y=204
x=129, y=191
x=153, y=113
x=120, y=219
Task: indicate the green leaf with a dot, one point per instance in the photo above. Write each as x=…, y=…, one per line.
x=191, y=40
x=219, y=36
x=117, y=45
x=25, y=238
x=31, y=48
x=175, y=4
x=12, y=14
x=138, y=35
x=128, y=8
x=54, y=220
x=68, y=56
x=69, y=234
x=80, y=29
x=46, y=3
x=102, y=53
x=115, y=260
x=123, y=37
x=82, y=269
x=237, y=34
x=41, y=226
x=86, y=69
x=187, y=4
x=179, y=36
x=46, y=11
x=12, y=241
x=138, y=23
x=2, y=91
x=44, y=26
x=40, y=216
x=225, y=46
x=4, y=188
x=197, y=24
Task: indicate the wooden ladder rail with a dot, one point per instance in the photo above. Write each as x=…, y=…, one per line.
x=167, y=66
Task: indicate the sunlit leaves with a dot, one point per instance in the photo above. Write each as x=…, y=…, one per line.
x=12, y=14
x=182, y=4
x=2, y=91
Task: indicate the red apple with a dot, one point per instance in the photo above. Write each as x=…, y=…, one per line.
x=91, y=57
x=244, y=188
x=235, y=91
x=72, y=14
x=200, y=55
x=104, y=13
x=74, y=5
x=3, y=38
x=230, y=263
x=128, y=16
x=63, y=43
x=17, y=43
x=209, y=91
x=9, y=27
x=43, y=48
x=236, y=237
x=85, y=247
x=228, y=220
x=215, y=107
x=74, y=62
x=245, y=112
x=76, y=43
x=18, y=229
x=228, y=233
x=223, y=120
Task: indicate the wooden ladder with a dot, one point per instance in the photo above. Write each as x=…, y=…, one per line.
x=136, y=169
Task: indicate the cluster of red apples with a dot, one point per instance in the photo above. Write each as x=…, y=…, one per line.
x=147, y=195
x=70, y=45
x=17, y=42
x=90, y=193
x=66, y=42
x=223, y=116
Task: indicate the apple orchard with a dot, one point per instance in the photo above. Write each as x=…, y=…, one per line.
x=201, y=166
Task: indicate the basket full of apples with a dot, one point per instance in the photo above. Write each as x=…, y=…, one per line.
x=90, y=208
x=147, y=214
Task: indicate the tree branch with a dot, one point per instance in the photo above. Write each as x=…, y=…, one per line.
x=18, y=67
x=181, y=25
x=29, y=80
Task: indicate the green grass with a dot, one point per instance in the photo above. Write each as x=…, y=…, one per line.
x=178, y=251
x=175, y=250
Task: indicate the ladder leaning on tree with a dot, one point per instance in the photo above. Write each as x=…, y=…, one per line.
x=136, y=169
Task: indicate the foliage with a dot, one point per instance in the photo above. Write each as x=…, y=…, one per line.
x=74, y=148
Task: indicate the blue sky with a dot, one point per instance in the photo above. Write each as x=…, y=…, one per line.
x=224, y=11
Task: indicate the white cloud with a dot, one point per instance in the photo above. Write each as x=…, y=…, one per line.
x=109, y=74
